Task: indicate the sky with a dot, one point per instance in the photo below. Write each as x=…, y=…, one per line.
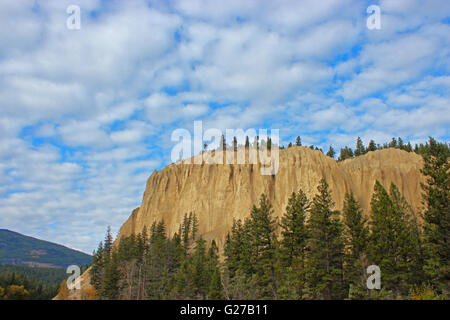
x=86, y=115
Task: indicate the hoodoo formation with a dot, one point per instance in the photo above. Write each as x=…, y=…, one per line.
x=219, y=193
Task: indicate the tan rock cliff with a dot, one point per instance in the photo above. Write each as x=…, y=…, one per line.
x=219, y=193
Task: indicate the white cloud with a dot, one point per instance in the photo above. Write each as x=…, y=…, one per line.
x=86, y=115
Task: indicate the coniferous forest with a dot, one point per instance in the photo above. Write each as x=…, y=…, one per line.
x=27, y=283
x=312, y=252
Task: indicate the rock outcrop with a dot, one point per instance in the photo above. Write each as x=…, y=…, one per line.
x=219, y=193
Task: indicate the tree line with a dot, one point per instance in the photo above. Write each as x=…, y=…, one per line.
x=360, y=149
x=313, y=252
x=26, y=283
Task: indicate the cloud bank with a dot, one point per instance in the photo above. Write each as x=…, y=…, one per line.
x=86, y=115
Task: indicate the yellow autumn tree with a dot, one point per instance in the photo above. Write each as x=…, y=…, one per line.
x=63, y=292
x=89, y=294
x=15, y=292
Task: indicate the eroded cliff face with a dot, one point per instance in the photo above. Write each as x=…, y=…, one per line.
x=219, y=193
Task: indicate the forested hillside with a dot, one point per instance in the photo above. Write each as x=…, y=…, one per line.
x=19, y=282
x=18, y=249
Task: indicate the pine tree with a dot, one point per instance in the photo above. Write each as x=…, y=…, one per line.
x=393, y=143
x=194, y=225
x=298, y=141
x=157, y=263
x=293, y=243
x=393, y=242
x=215, y=289
x=356, y=235
x=198, y=269
x=110, y=289
x=185, y=231
x=263, y=245
x=293, y=227
x=237, y=250
x=97, y=268
x=223, y=143
x=408, y=147
x=331, y=153
x=437, y=215
x=400, y=144
x=345, y=153
x=359, y=150
x=325, y=248
x=372, y=146
x=108, y=242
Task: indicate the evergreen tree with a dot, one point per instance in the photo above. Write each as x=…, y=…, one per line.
x=356, y=235
x=331, y=153
x=298, y=141
x=293, y=243
x=346, y=153
x=372, y=146
x=263, y=245
x=215, y=289
x=198, y=269
x=223, y=143
x=97, y=268
x=408, y=147
x=157, y=264
x=110, y=289
x=293, y=228
x=393, y=240
x=400, y=144
x=237, y=250
x=360, y=150
x=269, y=143
x=325, y=248
x=108, y=242
x=393, y=143
x=437, y=214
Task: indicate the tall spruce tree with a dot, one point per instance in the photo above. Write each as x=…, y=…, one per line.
x=437, y=215
x=325, y=255
x=356, y=235
x=372, y=146
x=331, y=153
x=294, y=233
x=292, y=246
x=359, y=150
x=97, y=268
x=263, y=246
x=110, y=289
x=393, y=240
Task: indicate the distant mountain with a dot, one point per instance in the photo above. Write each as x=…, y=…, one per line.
x=18, y=249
